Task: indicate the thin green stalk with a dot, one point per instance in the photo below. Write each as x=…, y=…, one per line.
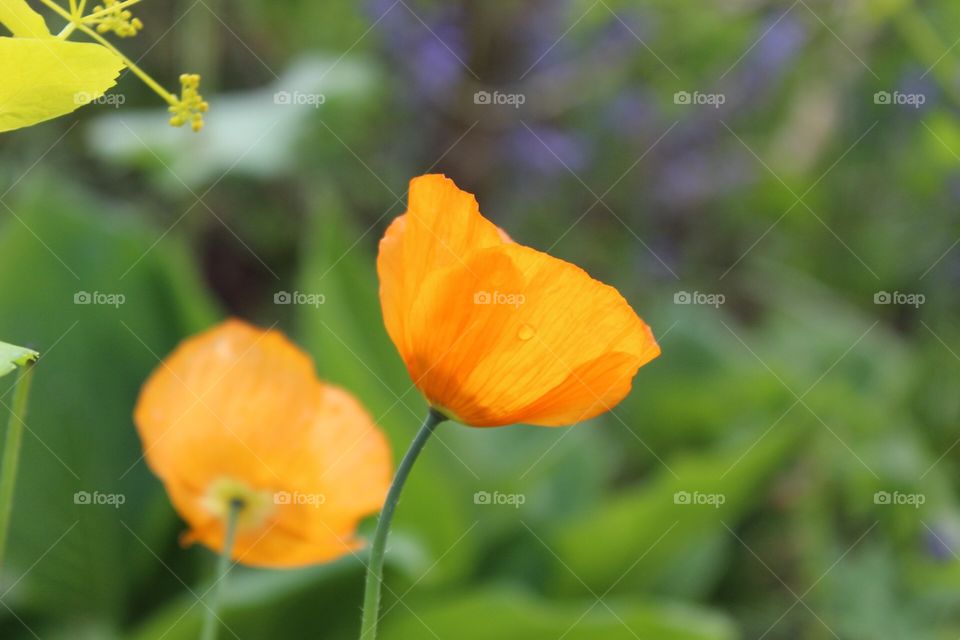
x=106, y=11
x=211, y=622
x=11, y=452
x=140, y=73
x=371, y=596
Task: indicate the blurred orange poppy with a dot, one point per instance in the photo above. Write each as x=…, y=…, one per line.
x=236, y=416
x=496, y=333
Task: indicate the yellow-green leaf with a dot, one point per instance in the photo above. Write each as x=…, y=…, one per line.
x=22, y=21
x=44, y=78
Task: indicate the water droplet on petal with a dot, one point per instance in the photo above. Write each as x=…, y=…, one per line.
x=525, y=332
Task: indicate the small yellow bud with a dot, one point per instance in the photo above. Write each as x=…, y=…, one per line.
x=120, y=21
x=190, y=106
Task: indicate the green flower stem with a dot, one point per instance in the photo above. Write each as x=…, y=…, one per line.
x=211, y=622
x=67, y=30
x=120, y=6
x=371, y=596
x=140, y=73
x=76, y=11
x=11, y=452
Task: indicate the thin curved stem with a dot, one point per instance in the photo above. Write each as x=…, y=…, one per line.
x=140, y=73
x=11, y=453
x=371, y=596
x=211, y=622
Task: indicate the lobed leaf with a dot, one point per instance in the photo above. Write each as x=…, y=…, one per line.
x=45, y=78
x=21, y=20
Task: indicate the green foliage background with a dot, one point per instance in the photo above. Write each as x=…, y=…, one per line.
x=797, y=399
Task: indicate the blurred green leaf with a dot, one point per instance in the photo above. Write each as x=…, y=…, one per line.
x=647, y=536
x=113, y=302
x=511, y=614
x=264, y=605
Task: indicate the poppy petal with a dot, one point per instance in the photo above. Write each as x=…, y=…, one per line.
x=228, y=385
x=278, y=542
x=442, y=224
x=515, y=335
x=237, y=412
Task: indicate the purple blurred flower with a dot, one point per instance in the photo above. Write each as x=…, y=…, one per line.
x=436, y=61
x=537, y=30
x=939, y=543
x=428, y=44
x=554, y=153
x=916, y=83
x=632, y=112
x=630, y=26
x=780, y=44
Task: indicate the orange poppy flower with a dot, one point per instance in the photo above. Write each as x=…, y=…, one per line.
x=237, y=415
x=495, y=333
